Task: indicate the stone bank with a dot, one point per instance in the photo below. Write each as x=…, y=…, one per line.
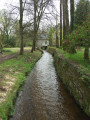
x=75, y=78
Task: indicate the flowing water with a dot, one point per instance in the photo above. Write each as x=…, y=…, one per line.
x=44, y=97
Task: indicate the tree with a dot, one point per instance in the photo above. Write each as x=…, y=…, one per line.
x=51, y=34
x=79, y=37
x=21, y=27
x=87, y=36
x=1, y=41
x=72, y=14
x=60, y=22
x=57, y=40
x=82, y=10
x=6, y=28
x=67, y=18
x=35, y=26
x=64, y=18
x=39, y=9
x=82, y=17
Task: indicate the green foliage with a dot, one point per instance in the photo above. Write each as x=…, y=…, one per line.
x=79, y=37
x=87, y=107
x=69, y=43
x=11, y=42
x=6, y=26
x=86, y=79
x=82, y=10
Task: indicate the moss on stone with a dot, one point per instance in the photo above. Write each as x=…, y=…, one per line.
x=75, y=78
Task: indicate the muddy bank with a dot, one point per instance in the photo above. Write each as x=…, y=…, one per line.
x=7, y=57
x=44, y=97
x=76, y=79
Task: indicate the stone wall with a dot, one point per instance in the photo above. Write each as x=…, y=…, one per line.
x=76, y=79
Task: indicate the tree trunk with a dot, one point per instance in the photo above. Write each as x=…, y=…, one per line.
x=50, y=40
x=57, y=42
x=1, y=48
x=35, y=27
x=34, y=41
x=60, y=22
x=21, y=28
x=67, y=18
x=7, y=35
x=72, y=14
x=86, y=53
x=64, y=18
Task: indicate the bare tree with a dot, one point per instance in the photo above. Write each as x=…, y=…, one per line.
x=39, y=9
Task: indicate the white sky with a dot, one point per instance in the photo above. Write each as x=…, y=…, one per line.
x=4, y=4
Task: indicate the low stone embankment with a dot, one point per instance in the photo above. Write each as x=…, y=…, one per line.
x=76, y=79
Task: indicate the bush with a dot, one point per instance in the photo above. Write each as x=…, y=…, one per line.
x=11, y=42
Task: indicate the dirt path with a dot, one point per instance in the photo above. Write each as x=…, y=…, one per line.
x=4, y=58
x=7, y=57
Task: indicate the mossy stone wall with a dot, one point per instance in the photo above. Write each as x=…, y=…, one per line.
x=76, y=79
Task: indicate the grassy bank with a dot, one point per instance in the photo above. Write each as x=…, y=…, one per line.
x=12, y=76
x=78, y=57
x=7, y=51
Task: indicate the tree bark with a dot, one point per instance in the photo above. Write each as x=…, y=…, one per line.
x=86, y=53
x=57, y=42
x=67, y=18
x=35, y=27
x=1, y=49
x=50, y=40
x=64, y=18
x=72, y=14
x=21, y=28
x=60, y=22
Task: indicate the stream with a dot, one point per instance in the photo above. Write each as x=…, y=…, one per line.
x=44, y=97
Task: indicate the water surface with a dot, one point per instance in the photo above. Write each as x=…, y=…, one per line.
x=44, y=97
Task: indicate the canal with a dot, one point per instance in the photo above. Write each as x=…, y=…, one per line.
x=44, y=97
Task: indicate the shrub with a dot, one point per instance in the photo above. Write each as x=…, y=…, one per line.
x=79, y=37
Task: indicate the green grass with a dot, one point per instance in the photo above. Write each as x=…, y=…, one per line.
x=13, y=50
x=18, y=68
x=78, y=58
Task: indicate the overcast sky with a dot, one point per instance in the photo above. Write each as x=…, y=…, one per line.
x=5, y=4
